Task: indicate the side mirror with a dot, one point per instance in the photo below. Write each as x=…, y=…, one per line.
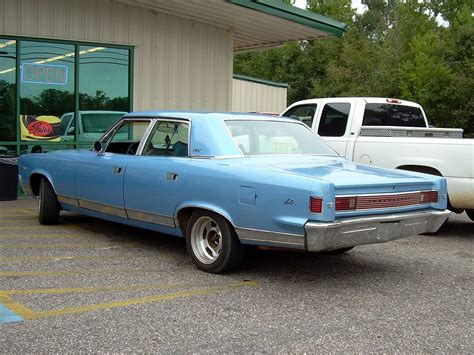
x=98, y=147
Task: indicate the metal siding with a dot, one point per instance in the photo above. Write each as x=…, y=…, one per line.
x=178, y=63
x=250, y=97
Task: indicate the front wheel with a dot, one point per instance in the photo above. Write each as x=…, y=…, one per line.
x=212, y=243
x=470, y=214
x=48, y=205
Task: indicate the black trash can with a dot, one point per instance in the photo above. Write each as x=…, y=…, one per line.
x=8, y=178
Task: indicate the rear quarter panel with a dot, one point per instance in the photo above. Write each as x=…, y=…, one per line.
x=251, y=198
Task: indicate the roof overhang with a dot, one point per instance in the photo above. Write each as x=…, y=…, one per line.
x=255, y=23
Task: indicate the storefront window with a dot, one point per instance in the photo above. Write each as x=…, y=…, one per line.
x=46, y=89
x=7, y=91
x=103, y=89
x=53, y=110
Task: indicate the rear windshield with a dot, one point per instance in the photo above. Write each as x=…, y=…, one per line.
x=276, y=137
x=393, y=115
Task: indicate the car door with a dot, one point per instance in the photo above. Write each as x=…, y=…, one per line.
x=99, y=175
x=153, y=184
x=333, y=124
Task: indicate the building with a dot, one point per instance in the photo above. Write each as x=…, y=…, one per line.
x=257, y=95
x=94, y=59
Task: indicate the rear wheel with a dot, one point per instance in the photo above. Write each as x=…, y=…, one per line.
x=212, y=243
x=470, y=214
x=48, y=205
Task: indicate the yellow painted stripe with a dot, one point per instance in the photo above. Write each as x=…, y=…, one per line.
x=28, y=236
x=63, y=245
x=133, y=301
x=65, y=257
x=70, y=272
x=55, y=291
x=16, y=307
x=38, y=226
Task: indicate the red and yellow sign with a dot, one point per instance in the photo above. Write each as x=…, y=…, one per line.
x=43, y=128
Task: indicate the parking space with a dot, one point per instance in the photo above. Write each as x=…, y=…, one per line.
x=92, y=285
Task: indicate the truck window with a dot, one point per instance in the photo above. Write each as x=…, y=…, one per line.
x=304, y=113
x=334, y=120
x=393, y=115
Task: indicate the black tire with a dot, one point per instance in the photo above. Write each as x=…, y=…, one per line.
x=48, y=205
x=338, y=251
x=231, y=252
x=470, y=214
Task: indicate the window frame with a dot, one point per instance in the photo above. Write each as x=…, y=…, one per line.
x=151, y=130
x=74, y=144
x=320, y=119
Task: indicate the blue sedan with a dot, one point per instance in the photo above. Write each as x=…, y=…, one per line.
x=226, y=180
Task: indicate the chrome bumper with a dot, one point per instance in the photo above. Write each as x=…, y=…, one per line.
x=369, y=230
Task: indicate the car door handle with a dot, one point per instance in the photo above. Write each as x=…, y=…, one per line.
x=171, y=176
x=116, y=169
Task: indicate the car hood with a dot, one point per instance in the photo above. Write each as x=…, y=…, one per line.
x=339, y=171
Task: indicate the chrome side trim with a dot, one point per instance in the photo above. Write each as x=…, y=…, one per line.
x=349, y=232
x=103, y=208
x=271, y=238
x=68, y=200
x=150, y=217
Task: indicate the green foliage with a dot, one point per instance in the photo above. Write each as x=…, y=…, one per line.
x=419, y=51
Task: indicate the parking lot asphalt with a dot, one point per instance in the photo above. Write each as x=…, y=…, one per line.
x=91, y=285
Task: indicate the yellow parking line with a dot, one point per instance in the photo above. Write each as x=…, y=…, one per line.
x=63, y=245
x=39, y=226
x=69, y=272
x=29, y=314
x=58, y=235
x=16, y=307
x=65, y=257
x=55, y=291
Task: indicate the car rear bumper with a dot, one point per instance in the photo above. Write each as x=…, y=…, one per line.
x=369, y=230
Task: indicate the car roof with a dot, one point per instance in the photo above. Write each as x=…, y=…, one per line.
x=198, y=115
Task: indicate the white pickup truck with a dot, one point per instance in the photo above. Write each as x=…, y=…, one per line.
x=393, y=133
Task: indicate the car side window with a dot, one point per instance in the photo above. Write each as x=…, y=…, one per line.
x=334, y=119
x=168, y=139
x=127, y=137
x=304, y=113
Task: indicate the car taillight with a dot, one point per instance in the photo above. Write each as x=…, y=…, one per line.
x=393, y=101
x=429, y=196
x=316, y=204
x=346, y=203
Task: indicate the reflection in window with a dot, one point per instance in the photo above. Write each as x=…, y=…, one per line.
x=7, y=90
x=305, y=113
x=334, y=120
x=103, y=78
x=46, y=90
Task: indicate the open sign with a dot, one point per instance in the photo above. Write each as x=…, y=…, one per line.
x=44, y=74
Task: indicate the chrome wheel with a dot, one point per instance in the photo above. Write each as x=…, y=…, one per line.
x=206, y=240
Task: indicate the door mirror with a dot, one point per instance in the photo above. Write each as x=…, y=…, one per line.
x=98, y=147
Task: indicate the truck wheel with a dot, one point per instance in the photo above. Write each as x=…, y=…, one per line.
x=48, y=205
x=470, y=214
x=212, y=243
